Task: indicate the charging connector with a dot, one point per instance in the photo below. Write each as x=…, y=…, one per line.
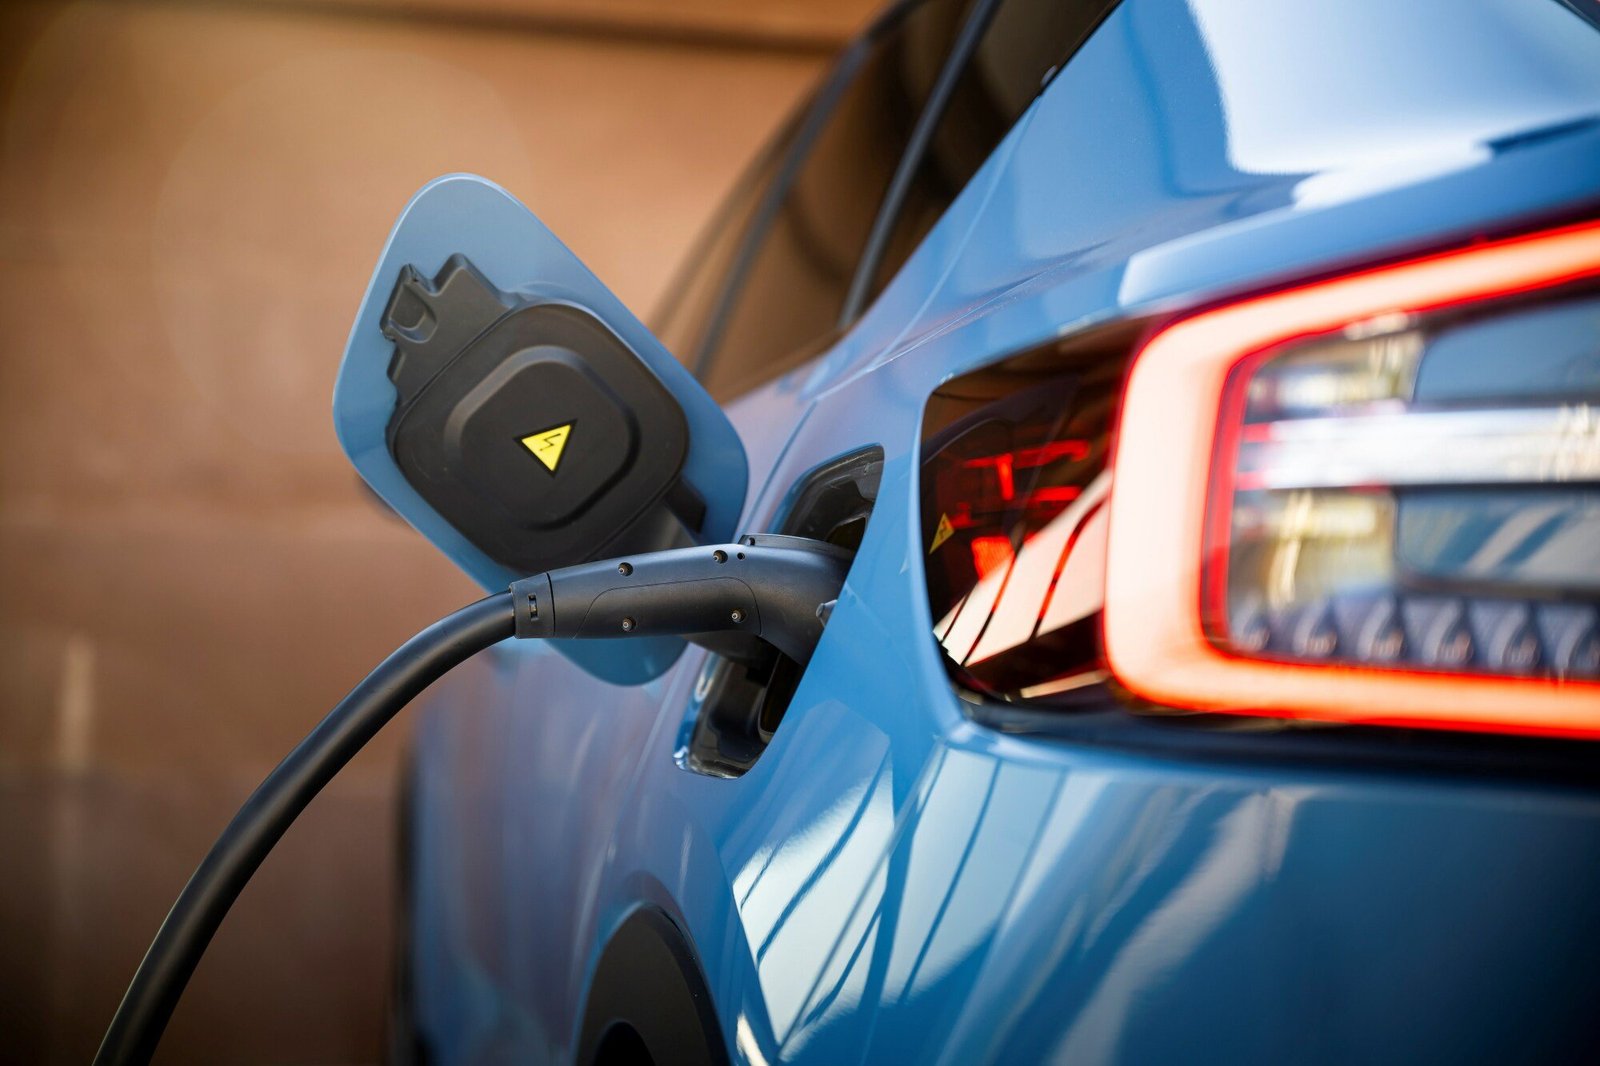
x=764, y=588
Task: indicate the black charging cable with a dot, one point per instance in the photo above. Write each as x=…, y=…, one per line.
x=778, y=590
x=147, y=1005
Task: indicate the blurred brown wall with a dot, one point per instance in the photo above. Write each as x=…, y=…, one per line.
x=191, y=200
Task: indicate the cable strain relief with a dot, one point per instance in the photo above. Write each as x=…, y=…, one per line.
x=533, y=601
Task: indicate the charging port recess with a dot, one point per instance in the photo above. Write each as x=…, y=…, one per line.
x=745, y=698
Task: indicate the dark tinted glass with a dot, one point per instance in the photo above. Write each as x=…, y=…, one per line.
x=801, y=259
x=1024, y=43
x=1013, y=493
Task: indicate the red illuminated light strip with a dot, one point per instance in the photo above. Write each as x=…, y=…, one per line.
x=1005, y=465
x=1167, y=437
x=990, y=553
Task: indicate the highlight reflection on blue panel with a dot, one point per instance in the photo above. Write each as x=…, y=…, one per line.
x=894, y=881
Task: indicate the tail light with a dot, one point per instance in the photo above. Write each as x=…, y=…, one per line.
x=1372, y=499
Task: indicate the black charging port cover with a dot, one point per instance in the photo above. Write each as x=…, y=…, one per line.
x=530, y=426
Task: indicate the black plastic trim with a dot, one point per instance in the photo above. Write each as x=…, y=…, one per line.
x=821, y=109
x=650, y=995
x=1100, y=716
x=1588, y=10
x=966, y=42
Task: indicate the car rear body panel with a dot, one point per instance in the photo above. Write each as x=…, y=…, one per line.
x=895, y=881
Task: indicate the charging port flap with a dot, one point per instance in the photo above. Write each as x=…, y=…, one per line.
x=506, y=404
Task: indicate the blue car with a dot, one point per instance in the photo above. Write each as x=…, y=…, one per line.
x=1205, y=398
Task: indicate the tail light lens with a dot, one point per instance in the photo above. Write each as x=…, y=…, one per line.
x=1373, y=499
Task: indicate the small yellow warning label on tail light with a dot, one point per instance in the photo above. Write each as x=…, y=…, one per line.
x=547, y=445
x=941, y=533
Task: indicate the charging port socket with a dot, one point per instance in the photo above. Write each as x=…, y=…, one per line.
x=745, y=699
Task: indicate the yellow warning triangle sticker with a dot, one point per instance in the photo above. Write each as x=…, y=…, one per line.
x=548, y=444
x=941, y=533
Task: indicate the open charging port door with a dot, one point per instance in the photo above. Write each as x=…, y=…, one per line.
x=506, y=404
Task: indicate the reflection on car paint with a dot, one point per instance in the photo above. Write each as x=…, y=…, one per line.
x=893, y=881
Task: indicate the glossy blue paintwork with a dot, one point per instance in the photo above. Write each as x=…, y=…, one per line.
x=893, y=881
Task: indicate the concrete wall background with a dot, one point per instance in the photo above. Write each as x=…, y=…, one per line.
x=191, y=199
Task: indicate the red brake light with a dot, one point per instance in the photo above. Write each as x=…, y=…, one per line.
x=990, y=553
x=1293, y=491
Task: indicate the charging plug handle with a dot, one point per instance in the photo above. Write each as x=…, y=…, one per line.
x=777, y=589
x=767, y=586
